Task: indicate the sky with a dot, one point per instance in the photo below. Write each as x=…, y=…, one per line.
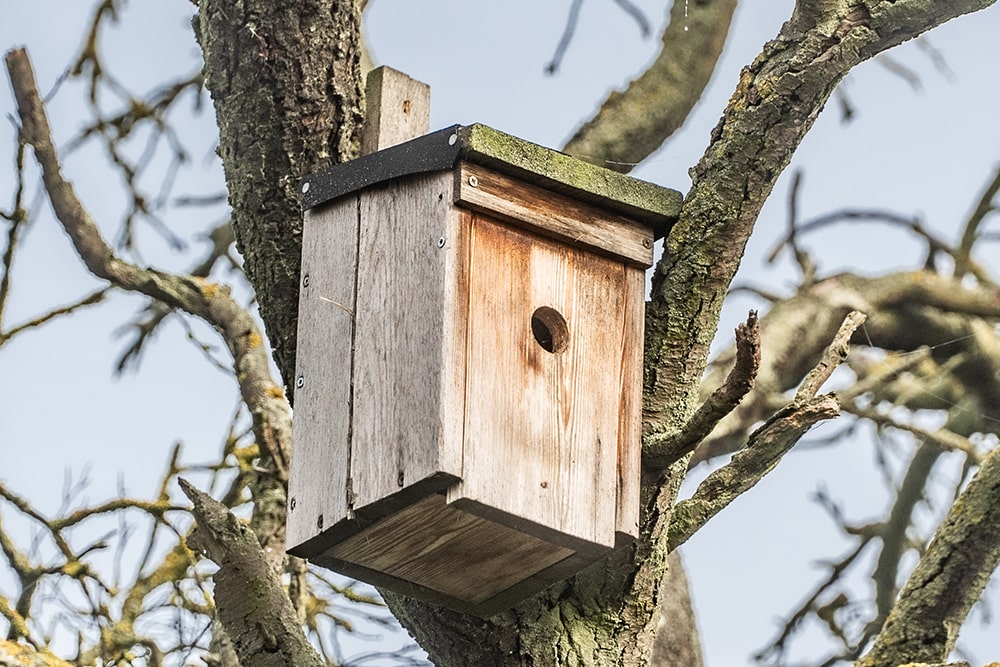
x=926, y=149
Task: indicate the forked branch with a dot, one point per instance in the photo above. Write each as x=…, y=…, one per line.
x=767, y=444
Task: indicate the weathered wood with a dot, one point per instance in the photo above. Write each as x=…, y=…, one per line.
x=630, y=437
x=317, y=487
x=554, y=215
x=397, y=109
x=483, y=427
x=407, y=395
x=542, y=428
x=452, y=556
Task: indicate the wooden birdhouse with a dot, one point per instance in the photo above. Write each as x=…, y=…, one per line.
x=468, y=388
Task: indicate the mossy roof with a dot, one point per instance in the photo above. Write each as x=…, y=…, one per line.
x=649, y=203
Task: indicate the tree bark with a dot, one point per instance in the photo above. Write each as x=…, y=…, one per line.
x=285, y=78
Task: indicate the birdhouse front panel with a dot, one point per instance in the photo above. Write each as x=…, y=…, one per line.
x=468, y=385
x=548, y=362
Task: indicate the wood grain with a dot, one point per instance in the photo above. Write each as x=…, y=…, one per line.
x=459, y=554
x=630, y=424
x=542, y=429
x=398, y=109
x=554, y=215
x=317, y=486
x=407, y=413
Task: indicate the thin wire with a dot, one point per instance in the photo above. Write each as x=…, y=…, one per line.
x=947, y=402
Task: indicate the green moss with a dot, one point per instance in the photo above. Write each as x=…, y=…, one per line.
x=656, y=205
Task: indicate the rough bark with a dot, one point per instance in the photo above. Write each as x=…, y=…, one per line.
x=948, y=580
x=285, y=78
x=677, y=641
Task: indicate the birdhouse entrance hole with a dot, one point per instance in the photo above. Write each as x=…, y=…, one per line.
x=549, y=328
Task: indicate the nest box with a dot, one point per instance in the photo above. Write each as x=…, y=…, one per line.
x=468, y=388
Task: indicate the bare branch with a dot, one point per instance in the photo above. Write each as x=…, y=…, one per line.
x=213, y=303
x=986, y=206
x=767, y=444
x=250, y=598
x=660, y=451
x=834, y=355
x=923, y=625
x=763, y=451
x=631, y=124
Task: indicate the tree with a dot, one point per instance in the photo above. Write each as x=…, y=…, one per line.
x=285, y=82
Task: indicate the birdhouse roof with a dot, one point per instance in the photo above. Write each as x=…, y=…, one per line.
x=651, y=204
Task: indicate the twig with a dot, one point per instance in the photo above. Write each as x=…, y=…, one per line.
x=766, y=445
x=963, y=260
x=264, y=398
x=662, y=450
x=833, y=356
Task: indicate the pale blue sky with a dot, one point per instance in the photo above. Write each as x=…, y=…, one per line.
x=928, y=151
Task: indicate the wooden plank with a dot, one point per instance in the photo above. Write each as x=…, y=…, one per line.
x=542, y=428
x=398, y=109
x=554, y=215
x=317, y=486
x=485, y=609
x=630, y=418
x=407, y=419
x=455, y=553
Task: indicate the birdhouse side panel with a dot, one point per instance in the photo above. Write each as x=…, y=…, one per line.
x=543, y=393
x=409, y=340
x=317, y=486
x=630, y=434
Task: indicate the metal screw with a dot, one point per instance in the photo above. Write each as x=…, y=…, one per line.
x=305, y=187
x=305, y=280
x=646, y=243
x=319, y=522
x=452, y=139
x=441, y=242
x=291, y=504
x=400, y=479
x=300, y=382
x=473, y=181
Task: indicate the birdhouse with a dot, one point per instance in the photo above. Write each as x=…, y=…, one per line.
x=469, y=379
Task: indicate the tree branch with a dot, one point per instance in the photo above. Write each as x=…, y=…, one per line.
x=264, y=399
x=661, y=450
x=766, y=445
x=249, y=596
x=948, y=580
x=632, y=124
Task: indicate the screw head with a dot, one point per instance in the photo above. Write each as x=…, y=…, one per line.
x=441, y=242
x=646, y=243
x=473, y=181
x=291, y=504
x=452, y=139
x=300, y=382
x=305, y=187
x=305, y=280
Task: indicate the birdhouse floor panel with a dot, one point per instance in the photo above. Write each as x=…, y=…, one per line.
x=444, y=549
